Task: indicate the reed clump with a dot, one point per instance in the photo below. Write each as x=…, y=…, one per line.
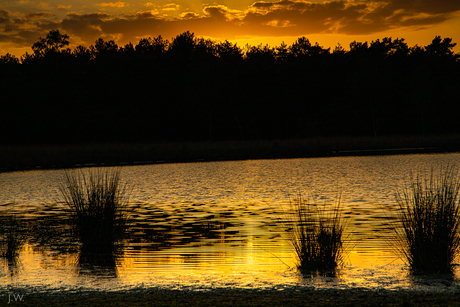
x=13, y=237
x=316, y=235
x=96, y=202
x=429, y=236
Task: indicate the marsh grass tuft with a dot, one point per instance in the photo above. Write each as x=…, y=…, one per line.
x=96, y=204
x=429, y=236
x=316, y=235
x=13, y=237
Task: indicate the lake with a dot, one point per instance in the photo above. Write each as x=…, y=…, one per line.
x=216, y=225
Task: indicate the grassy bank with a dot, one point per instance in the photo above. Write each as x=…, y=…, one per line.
x=23, y=157
x=313, y=298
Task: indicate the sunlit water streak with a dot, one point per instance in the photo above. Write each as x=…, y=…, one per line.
x=212, y=225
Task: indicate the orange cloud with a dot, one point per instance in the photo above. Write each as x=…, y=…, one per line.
x=223, y=12
x=189, y=15
x=113, y=4
x=30, y=16
x=171, y=7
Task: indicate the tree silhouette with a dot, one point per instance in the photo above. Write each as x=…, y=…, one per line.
x=205, y=49
x=229, y=52
x=303, y=48
x=50, y=45
x=442, y=48
x=281, y=53
x=152, y=47
x=339, y=49
x=260, y=55
x=104, y=50
x=82, y=53
x=127, y=50
x=182, y=46
x=192, y=88
x=9, y=59
x=387, y=48
x=358, y=49
x=27, y=58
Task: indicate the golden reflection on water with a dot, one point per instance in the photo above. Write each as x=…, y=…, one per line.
x=215, y=225
x=262, y=260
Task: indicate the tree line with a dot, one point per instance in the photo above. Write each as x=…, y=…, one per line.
x=192, y=88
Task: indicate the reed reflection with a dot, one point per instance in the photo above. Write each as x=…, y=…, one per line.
x=157, y=230
x=12, y=239
x=102, y=262
x=53, y=232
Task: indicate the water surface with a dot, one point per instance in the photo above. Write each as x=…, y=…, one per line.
x=215, y=224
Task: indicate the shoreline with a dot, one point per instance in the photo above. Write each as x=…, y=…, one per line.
x=231, y=297
x=294, y=296
x=42, y=157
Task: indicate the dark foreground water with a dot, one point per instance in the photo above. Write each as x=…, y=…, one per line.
x=214, y=225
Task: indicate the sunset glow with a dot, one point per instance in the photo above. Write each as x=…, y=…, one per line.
x=22, y=22
x=244, y=266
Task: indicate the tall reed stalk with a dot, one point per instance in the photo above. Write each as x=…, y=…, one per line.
x=96, y=203
x=316, y=236
x=429, y=237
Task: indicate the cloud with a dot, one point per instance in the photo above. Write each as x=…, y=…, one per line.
x=189, y=15
x=118, y=4
x=346, y=17
x=171, y=7
x=38, y=15
x=222, y=12
x=262, y=18
x=87, y=27
x=4, y=13
x=147, y=14
x=216, y=12
x=421, y=6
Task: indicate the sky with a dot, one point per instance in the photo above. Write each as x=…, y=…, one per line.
x=23, y=22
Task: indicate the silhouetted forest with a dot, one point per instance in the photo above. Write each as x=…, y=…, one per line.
x=192, y=88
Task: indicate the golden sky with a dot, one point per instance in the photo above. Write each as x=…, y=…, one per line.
x=22, y=22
